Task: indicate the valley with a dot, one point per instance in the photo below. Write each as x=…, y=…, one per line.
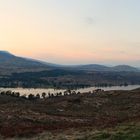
x=90, y=113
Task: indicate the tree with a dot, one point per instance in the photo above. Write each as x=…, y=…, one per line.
x=9, y=92
x=49, y=94
x=31, y=97
x=44, y=95
x=2, y=93
x=38, y=96
x=17, y=94
x=69, y=91
x=78, y=92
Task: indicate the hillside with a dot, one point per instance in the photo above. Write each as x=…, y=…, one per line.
x=92, y=67
x=97, y=67
x=10, y=63
x=99, y=115
x=124, y=68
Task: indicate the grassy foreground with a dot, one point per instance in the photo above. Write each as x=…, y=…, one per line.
x=104, y=115
x=130, y=131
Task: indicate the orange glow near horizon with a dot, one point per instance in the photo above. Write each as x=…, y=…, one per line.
x=69, y=33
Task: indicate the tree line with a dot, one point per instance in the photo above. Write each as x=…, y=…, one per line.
x=38, y=96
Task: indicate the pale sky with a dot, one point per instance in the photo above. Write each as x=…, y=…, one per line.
x=72, y=31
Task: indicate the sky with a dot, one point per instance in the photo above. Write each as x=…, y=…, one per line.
x=72, y=31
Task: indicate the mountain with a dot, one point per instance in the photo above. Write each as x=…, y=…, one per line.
x=8, y=59
x=96, y=67
x=92, y=67
x=124, y=68
x=10, y=63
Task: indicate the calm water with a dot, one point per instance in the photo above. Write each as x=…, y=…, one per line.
x=27, y=91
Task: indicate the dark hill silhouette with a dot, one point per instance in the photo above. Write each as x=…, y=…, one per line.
x=96, y=67
x=8, y=59
x=10, y=63
x=124, y=68
x=93, y=67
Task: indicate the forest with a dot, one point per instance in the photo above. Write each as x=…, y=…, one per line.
x=70, y=79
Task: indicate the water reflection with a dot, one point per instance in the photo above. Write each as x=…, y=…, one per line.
x=27, y=91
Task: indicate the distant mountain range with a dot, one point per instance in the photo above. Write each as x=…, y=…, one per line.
x=10, y=63
x=97, y=67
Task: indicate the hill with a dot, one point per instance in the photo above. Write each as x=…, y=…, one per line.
x=102, y=115
x=97, y=67
x=10, y=63
x=10, y=60
x=92, y=67
x=124, y=68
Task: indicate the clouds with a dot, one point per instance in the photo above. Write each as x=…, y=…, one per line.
x=90, y=20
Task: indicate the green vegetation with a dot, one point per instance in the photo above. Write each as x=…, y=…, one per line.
x=71, y=79
x=130, y=131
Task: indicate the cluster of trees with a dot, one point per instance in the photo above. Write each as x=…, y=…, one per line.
x=38, y=96
x=10, y=93
x=17, y=95
x=69, y=79
x=51, y=95
x=110, y=85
